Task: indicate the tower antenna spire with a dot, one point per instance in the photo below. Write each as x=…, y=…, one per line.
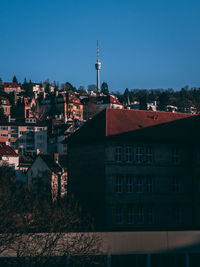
x=98, y=67
x=97, y=50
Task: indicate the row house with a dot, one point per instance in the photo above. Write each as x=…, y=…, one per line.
x=136, y=169
x=69, y=105
x=28, y=135
x=5, y=105
x=12, y=88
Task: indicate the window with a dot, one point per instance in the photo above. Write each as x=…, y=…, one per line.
x=118, y=154
x=139, y=215
x=149, y=155
x=144, y=154
x=119, y=215
x=4, y=128
x=176, y=184
x=40, y=128
x=139, y=154
x=139, y=185
x=30, y=128
x=130, y=215
x=175, y=155
x=15, y=135
x=149, y=184
x=118, y=184
x=129, y=184
x=129, y=154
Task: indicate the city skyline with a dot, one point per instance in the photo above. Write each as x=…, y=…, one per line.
x=144, y=44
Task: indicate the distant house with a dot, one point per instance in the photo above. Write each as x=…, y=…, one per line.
x=11, y=87
x=5, y=105
x=94, y=104
x=69, y=105
x=48, y=173
x=8, y=156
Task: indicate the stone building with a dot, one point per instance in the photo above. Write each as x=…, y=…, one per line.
x=137, y=169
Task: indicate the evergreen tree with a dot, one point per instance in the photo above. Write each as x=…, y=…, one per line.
x=104, y=88
x=163, y=101
x=14, y=80
x=143, y=102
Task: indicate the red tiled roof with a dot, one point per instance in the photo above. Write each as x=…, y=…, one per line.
x=111, y=122
x=124, y=120
x=113, y=100
x=11, y=85
x=7, y=150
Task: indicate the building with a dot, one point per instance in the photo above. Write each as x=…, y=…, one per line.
x=27, y=135
x=8, y=156
x=69, y=105
x=50, y=173
x=137, y=168
x=5, y=105
x=93, y=105
x=11, y=88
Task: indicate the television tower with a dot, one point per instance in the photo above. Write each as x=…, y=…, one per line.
x=98, y=67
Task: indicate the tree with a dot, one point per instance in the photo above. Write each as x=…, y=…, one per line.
x=143, y=102
x=104, y=88
x=37, y=229
x=127, y=96
x=14, y=80
x=1, y=85
x=68, y=87
x=28, y=88
x=163, y=101
x=2, y=115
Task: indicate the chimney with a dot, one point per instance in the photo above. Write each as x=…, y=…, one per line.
x=56, y=157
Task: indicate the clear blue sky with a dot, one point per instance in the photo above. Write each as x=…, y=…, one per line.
x=143, y=43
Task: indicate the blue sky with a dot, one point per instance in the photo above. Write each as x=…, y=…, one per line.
x=143, y=43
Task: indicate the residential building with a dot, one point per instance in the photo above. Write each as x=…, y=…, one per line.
x=8, y=156
x=93, y=105
x=27, y=135
x=5, y=105
x=12, y=87
x=137, y=169
x=69, y=105
x=50, y=173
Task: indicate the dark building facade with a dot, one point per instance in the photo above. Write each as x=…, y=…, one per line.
x=136, y=169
